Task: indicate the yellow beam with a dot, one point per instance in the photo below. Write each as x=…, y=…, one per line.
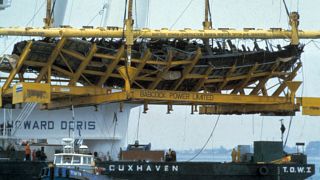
x=188, y=69
x=87, y=100
x=56, y=68
x=226, y=79
x=66, y=62
x=263, y=81
x=151, y=62
x=83, y=65
x=143, y=62
x=155, y=83
x=289, y=78
x=110, y=68
x=79, y=90
x=51, y=59
x=233, y=78
x=19, y=64
x=203, y=98
x=202, y=81
x=249, y=109
x=163, y=33
x=246, y=80
x=73, y=54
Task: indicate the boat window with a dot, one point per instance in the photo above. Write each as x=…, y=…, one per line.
x=67, y=159
x=76, y=159
x=89, y=160
x=85, y=160
x=57, y=160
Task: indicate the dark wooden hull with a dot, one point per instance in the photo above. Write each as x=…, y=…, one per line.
x=257, y=61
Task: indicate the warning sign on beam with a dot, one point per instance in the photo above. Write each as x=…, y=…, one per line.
x=31, y=92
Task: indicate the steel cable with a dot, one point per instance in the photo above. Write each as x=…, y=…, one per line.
x=204, y=146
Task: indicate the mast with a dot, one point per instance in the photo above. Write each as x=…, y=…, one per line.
x=294, y=23
x=48, y=20
x=129, y=32
x=206, y=23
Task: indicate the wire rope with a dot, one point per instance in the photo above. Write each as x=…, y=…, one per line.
x=182, y=13
x=206, y=143
x=287, y=137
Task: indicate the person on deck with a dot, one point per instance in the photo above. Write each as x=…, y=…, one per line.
x=234, y=155
x=27, y=152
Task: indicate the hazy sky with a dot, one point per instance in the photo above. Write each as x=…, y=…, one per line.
x=180, y=130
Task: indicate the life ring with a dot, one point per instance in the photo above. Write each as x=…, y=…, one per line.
x=263, y=170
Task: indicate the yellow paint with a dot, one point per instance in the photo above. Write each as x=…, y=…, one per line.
x=31, y=92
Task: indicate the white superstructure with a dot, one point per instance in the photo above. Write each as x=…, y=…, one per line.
x=103, y=128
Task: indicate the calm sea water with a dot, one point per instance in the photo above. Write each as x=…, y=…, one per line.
x=207, y=157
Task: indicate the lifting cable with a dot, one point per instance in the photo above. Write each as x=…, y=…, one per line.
x=285, y=142
x=286, y=7
x=206, y=143
x=115, y=121
x=182, y=13
x=27, y=24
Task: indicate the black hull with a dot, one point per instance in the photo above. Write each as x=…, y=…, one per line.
x=206, y=170
x=21, y=170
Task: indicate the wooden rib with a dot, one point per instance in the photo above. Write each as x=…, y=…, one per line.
x=111, y=67
x=201, y=81
x=143, y=62
x=19, y=64
x=289, y=78
x=155, y=83
x=226, y=80
x=188, y=69
x=263, y=81
x=246, y=80
x=83, y=65
x=51, y=59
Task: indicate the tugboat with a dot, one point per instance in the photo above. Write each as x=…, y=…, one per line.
x=268, y=162
x=72, y=165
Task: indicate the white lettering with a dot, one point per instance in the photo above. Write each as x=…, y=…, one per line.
x=130, y=167
x=148, y=168
x=166, y=168
x=292, y=170
x=175, y=168
x=139, y=167
x=300, y=169
x=285, y=169
x=158, y=167
x=309, y=170
x=121, y=167
x=112, y=168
